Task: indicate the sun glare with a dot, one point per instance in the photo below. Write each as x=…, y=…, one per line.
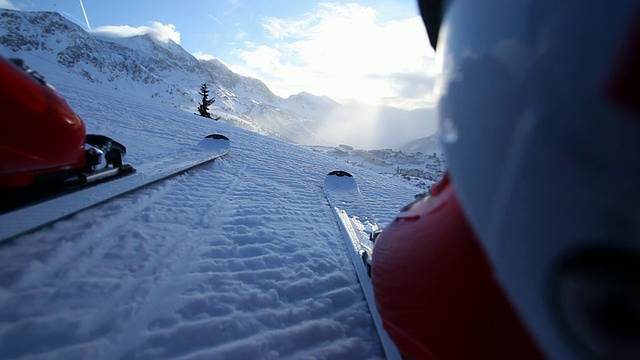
x=346, y=52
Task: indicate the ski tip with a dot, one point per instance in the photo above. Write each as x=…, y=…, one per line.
x=339, y=173
x=217, y=143
x=216, y=137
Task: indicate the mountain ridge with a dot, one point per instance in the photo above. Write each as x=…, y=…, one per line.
x=144, y=66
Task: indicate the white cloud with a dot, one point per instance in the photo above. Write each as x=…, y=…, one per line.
x=263, y=58
x=157, y=30
x=6, y=4
x=344, y=51
x=241, y=34
x=202, y=56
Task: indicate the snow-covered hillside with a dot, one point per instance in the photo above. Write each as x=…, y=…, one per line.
x=146, y=67
x=241, y=258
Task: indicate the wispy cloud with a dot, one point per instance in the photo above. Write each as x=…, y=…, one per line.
x=241, y=34
x=202, y=56
x=6, y=4
x=347, y=52
x=234, y=3
x=157, y=30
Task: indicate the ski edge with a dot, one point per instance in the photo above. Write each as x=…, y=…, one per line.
x=353, y=240
x=349, y=232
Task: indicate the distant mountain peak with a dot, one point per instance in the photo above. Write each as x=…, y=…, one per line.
x=303, y=93
x=426, y=145
x=142, y=34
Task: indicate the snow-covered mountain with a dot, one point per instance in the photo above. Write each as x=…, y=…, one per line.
x=146, y=67
x=238, y=259
x=426, y=145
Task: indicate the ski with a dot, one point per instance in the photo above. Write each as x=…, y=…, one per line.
x=33, y=217
x=359, y=230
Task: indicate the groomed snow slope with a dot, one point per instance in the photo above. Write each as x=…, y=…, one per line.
x=239, y=259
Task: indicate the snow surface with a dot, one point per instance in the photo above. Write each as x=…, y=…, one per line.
x=239, y=259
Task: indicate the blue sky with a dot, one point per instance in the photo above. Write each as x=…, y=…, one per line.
x=374, y=51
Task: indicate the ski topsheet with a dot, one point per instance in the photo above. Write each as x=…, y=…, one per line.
x=33, y=217
x=357, y=225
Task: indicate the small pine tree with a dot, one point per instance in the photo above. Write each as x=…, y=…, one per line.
x=203, y=108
